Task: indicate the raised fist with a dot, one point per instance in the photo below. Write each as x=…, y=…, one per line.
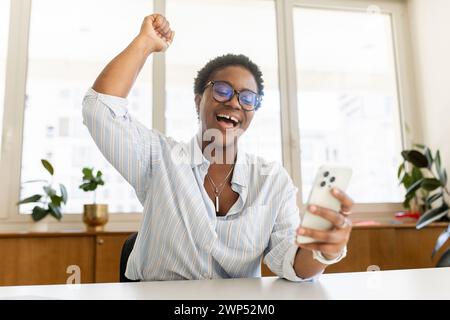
x=156, y=29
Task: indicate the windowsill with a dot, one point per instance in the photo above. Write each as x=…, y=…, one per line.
x=69, y=223
x=84, y=232
x=398, y=225
x=377, y=218
x=367, y=220
x=62, y=233
x=72, y=223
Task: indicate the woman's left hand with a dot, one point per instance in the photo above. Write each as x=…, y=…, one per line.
x=332, y=242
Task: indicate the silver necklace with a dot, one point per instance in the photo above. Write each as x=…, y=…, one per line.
x=218, y=189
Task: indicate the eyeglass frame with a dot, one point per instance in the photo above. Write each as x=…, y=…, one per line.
x=235, y=92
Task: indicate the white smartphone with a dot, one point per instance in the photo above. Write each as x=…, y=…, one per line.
x=327, y=177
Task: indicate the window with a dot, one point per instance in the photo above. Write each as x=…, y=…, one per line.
x=335, y=72
x=197, y=43
x=348, y=106
x=70, y=43
x=4, y=28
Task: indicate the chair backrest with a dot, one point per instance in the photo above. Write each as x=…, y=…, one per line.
x=444, y=260
x=126, y=250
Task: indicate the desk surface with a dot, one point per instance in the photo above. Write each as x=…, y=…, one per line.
x=396, y=284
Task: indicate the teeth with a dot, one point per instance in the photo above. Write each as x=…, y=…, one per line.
x=221, y=115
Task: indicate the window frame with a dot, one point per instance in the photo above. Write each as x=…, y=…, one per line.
x=16, y=76
x=397, y=9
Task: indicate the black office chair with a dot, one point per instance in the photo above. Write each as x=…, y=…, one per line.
x=444, y=260
x=126, y=250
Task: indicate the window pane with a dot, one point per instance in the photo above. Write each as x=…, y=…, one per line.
x=197, y=41
x=70, y=43
x=4, y=28
x=347, y=99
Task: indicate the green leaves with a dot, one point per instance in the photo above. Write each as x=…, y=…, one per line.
x=56, y=200
x=34, y=198
x=91, y=181
x=430, y=184
x=416, y=158
x=88, y=186
x=87, y=173
x=47, y=166
x=413, y=187
x=64, y=194
x=437, y=161
x=55, y=211
x=432, y=215
x=442, y=174
x=49, y=191
x=99, y=176
x=433, y=198
x=401, y=168
x=443, y=237
x=407, y=180
x=444, y=178
x=33, y=181
x=416, y=174
x=425, y=181
x=429, y=158
x=38, y=213
x=425, y=152
x=50, y=201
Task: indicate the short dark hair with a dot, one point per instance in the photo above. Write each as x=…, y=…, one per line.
x=221, y=62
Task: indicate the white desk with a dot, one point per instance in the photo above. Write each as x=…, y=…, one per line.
x=398, y=284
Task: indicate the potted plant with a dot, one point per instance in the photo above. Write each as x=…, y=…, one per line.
x=425, y=181
x=48, y=202
x=95, y=215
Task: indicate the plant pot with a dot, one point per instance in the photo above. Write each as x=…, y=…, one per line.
x=95, y=216
x=40, y=226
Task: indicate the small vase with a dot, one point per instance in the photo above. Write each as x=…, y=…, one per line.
x=95, y=216
x=40, y=226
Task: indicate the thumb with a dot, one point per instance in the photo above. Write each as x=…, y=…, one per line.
x=170, y=39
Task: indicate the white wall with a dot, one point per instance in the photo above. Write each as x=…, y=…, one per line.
x=430, y=36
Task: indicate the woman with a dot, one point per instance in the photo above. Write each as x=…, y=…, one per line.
x=210, y=210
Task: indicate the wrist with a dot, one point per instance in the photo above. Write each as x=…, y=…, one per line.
x=332, y=259
x=332, y=256
x=144, y=44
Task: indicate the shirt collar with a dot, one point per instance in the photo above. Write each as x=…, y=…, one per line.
x=196, y=155
x=240, y=174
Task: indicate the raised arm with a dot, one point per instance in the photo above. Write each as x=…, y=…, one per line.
x=119, y=75
x=129, y=146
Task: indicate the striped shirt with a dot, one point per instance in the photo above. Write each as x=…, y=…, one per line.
x=180, y=236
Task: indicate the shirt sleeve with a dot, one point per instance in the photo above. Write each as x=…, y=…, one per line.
x=126, y=143
x=281, y=251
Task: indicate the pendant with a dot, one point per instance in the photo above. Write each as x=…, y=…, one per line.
x=217, y=204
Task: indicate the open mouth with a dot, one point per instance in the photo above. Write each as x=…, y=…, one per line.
x=226, y=121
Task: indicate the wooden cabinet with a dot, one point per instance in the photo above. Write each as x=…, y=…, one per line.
x=43, y=258
x=107, y=257
x=388, y=247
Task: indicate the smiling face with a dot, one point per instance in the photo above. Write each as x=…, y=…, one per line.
x=225, y=121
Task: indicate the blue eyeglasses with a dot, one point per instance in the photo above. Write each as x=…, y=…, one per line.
x=224, y=92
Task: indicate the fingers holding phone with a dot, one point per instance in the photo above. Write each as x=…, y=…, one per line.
x=329, y=242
